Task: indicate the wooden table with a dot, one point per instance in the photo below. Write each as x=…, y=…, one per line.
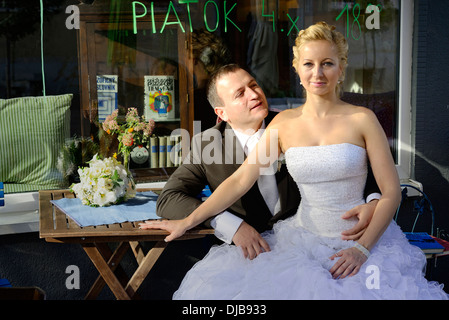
x=55, y=226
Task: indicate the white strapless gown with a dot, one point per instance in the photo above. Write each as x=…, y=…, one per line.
x=331, y=180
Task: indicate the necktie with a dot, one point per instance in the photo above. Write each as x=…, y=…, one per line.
x=267, y=183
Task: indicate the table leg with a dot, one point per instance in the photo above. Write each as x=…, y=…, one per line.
x=105, y=271
x=113, y=263
x=145, y=267
x=137, y=250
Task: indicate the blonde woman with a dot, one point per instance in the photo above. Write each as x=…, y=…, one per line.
x=327, y=144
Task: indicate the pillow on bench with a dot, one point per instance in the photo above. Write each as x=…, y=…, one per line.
x=32, y=132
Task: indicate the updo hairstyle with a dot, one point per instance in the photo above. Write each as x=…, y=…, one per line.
x=323, y=31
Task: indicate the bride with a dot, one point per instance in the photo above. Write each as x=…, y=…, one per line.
x=327, y=144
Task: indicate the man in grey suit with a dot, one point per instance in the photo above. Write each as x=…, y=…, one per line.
x=217, y=152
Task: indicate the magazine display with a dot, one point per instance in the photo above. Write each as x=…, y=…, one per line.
x=159, y=98
x=107, y=91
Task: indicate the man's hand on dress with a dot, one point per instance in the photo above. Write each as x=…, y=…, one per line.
x=364, y=213
x=250, y=241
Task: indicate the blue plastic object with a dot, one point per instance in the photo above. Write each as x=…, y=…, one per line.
x=2, y=195
x=205, y=193
x=4, y=283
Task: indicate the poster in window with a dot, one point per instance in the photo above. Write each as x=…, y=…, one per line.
x=159, y=98
x=107, y=90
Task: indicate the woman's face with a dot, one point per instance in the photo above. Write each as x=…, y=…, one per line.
x=319, y=67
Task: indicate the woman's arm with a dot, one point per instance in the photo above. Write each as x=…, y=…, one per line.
x=384, y=170
x=264, y=154
x=379, y=154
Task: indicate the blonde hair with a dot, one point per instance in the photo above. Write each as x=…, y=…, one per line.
x=323, y=31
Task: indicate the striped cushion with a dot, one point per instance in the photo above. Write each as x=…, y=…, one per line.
x=32, y=131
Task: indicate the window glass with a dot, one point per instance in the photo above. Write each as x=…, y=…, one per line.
x=191, y=39
x=260, y=35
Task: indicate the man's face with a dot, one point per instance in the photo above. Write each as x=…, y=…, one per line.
x=245, y=104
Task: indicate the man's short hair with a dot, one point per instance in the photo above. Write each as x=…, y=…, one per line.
x=212, y=95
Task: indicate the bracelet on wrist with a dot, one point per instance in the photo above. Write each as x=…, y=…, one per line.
x=364, y=250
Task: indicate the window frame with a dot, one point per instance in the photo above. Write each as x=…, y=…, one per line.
x=404, y=134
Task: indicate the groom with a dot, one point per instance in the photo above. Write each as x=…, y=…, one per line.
x=239, y=101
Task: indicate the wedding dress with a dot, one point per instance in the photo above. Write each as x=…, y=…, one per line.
x=331, y=180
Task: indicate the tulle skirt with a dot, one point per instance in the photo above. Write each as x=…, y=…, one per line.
x=297, y=267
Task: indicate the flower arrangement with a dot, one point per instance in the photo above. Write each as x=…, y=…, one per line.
x=103, y=183
x=135, y=131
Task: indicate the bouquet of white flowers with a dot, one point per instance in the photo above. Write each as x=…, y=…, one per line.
x=103, y=183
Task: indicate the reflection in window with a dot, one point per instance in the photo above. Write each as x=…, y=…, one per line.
x=268, y=31
x=257, y=34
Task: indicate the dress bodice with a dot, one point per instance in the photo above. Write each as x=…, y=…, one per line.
x=331, y=180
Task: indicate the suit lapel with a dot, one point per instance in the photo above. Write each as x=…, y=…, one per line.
x=232, y=151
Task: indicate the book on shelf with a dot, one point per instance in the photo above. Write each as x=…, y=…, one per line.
x=159, y=98
x=165, y=151
x=176, y=150
x=107, y=91
x=162, y=151
x=424, y=241
x=154, y=152
x=170, y=144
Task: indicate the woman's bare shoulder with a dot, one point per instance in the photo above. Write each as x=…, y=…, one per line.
x=364, y=119
x=285, y=115
x=360, y=113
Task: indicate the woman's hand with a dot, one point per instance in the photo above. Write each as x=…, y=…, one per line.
x=176, y=228
x=349, y=263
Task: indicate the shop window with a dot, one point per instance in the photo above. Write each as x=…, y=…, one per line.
x=257, y=34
